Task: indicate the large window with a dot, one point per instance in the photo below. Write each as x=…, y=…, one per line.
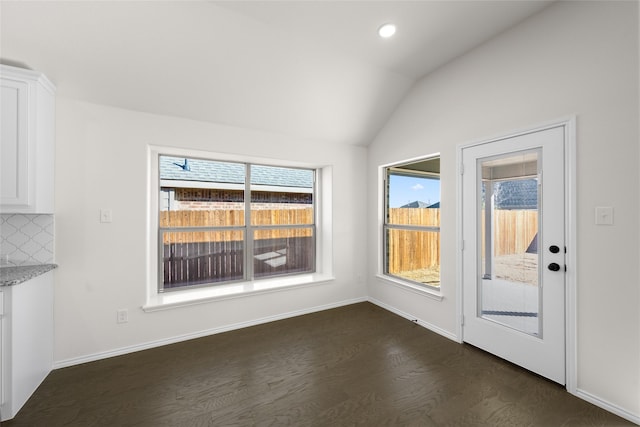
x=411, y=227
x=222, y=222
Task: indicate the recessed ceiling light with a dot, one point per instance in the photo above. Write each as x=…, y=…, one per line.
x=386, y=31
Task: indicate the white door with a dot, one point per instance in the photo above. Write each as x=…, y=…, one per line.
x=513, y=258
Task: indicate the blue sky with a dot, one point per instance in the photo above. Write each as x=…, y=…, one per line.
x=406, y=189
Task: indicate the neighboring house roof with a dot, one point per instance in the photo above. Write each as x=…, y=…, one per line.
x=416, y=204
x=516, y=194
x=419, y=204
x=172, y=168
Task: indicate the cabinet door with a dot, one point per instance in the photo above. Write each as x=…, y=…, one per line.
x=3, y=377
x=14, y=144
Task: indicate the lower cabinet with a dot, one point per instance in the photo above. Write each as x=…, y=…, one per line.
x=26, y=335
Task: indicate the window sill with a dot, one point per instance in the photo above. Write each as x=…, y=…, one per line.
x=168, y=300
x=429, y=293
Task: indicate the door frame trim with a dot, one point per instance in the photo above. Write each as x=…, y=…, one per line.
x=569, y=124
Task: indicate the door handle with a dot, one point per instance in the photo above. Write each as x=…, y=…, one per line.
x=554, y=266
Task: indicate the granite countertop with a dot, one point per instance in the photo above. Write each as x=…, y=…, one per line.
x=14, y=275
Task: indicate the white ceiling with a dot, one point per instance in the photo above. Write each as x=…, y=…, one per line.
x=310, y=69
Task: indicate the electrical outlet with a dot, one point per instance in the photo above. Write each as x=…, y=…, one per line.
x=122, y=315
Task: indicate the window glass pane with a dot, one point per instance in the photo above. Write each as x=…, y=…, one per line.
x=283, y=251
x=201, y=193
x=193, y=258
x=413, y=199
x=281, y=196
x=412, y=221
x=414, y=255
x=203, y=233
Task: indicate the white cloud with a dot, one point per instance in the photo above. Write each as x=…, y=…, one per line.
x=417, y=187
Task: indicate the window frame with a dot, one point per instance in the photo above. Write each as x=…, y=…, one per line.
x=385, y=227
x=323, y=235
x=251, y=228
x=248, y=230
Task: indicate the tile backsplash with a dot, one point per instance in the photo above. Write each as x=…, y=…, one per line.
x=26, y=239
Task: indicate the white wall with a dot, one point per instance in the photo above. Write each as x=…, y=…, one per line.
x=101, y=162
x=573, y=58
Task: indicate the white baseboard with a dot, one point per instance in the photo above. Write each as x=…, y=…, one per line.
x=172, y=340
x=614, y=409
x=414, y=319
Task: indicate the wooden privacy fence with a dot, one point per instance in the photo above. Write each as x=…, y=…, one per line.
x=411, y=250
x=415, y=216
x=513, y=231
x=198, y=257
x=209, y=262
x=414, y=250
x=202, y=262
x=224, y=217
x=209, y=256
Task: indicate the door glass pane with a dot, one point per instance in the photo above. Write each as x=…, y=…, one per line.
x=508, y=212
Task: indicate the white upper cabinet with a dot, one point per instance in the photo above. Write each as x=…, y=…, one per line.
x=27, y=144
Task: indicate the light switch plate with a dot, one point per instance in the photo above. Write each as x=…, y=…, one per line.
x=604, y=215
x=106, y=215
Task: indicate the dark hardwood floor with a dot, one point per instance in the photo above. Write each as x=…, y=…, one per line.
x=355, y=365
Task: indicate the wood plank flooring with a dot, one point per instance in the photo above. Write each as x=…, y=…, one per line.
x=354, y=365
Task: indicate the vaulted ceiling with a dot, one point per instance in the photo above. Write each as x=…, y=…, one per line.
x=311, y=69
